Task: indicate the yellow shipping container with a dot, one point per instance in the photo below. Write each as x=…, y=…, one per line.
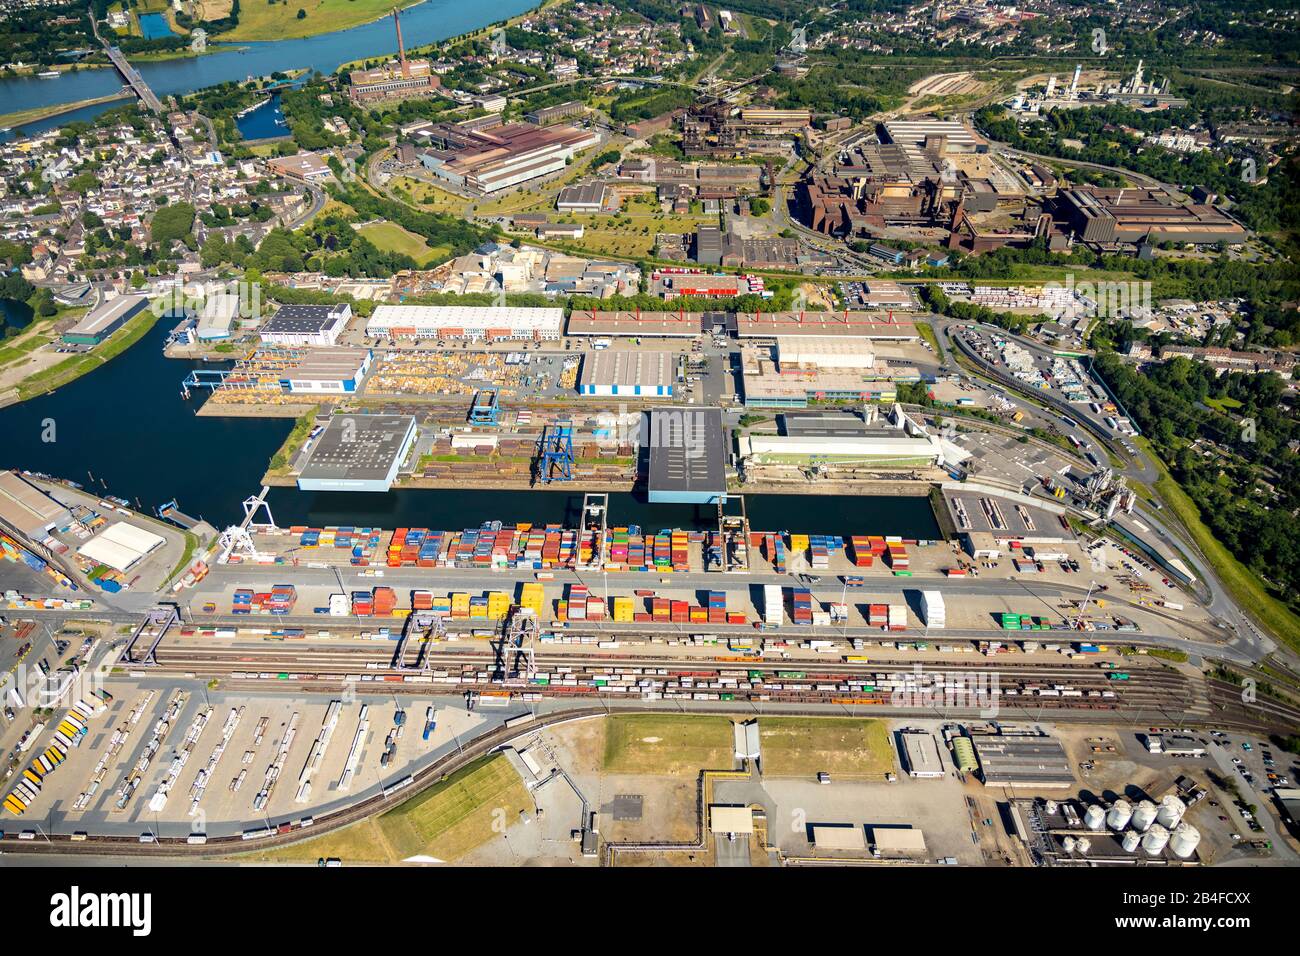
x=798, y=542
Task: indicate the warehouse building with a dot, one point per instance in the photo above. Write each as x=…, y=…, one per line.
x=587, y=199
x=217, y=319
x=121, y=546
x=896, y=843
x=883, y=449
x=921, y=754
x=359, y=453
x=99, y=323
x=474, y=323
x=306, y=324
x=629, y=374
x=687, y=456
x=1036, y=761
x=671, y=285
x=553, y=114
x=892, y=328
x=29, y=510
x=336, y=370
x=839, y=838
x=638, y=324
x=824, y=352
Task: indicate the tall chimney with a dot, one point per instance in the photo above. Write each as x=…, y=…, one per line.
x=401, y=48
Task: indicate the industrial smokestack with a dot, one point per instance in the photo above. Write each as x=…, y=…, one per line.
x=401, y=48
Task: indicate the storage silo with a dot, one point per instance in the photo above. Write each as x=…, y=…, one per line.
x=1083, y=845
x=1144, y=816
x=1131, y=841
x=1050, y=807
x=1121, y=811
x=1068, y=844
x=1155, y=839
x=1094, y=818
x=1185, y=840
x=1171, y=812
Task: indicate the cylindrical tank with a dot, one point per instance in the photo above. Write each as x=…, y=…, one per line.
x=1094, y=818
x=1144, y=816
x=1185, y=840
x=1121, y=811
x=1171, y=812
x=1155, y=839
x=1082, y=846
x=1131, y=840
x=1051, y=808
x=1068, y=844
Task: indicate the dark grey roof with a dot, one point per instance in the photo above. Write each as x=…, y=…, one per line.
x=358, y=447
x=687, y=450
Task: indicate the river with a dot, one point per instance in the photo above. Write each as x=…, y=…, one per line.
x=425, y=23
x=126, y=426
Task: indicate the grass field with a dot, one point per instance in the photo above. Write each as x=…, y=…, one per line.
x=1225, y=404
x=454, y=817
x=803, y=746
x=391, y=237
x=279, y=21
x=667, y=744
x=447, y=821
x=1246, y=589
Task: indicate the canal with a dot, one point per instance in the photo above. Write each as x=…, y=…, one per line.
x=125, y=430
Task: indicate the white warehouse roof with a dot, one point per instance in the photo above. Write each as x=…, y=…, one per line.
x=431, y=319
x=120, y=546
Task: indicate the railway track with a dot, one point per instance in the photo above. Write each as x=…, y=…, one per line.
x=1150, y=691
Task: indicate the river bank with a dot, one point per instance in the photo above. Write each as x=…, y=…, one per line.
x=38, y=113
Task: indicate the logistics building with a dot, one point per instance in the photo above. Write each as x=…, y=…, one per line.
x=631, y=374
x=892, y=328
x=475, y=323
x=359, y=453
x=99, y=323
x=306, y=324
x=638, y=324
x=687, y=456
x=29, y=510
x=921, y=754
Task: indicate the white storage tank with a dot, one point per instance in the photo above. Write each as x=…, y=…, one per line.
x=1185, y=840
x=1051, y=808
x=1131, y=840
x=1083, y=845
x=1155, y=839
x=1144, y=816
x=1094, y=818
x=1171, y=812
x=1068, y=844
x=1121, y=811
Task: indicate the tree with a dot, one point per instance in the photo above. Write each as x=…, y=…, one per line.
x=302, y=14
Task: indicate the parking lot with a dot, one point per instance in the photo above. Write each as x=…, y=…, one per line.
x=268, y=741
